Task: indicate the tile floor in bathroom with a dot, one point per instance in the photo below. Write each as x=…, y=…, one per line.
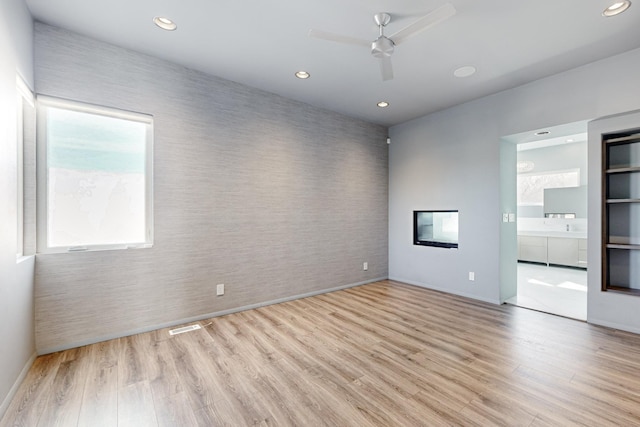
x=556, y=290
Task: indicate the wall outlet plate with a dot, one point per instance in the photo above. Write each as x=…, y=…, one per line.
x=365, y=266
x=472, y=276
x=220, y=289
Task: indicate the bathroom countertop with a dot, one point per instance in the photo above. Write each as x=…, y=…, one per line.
x=554, y=233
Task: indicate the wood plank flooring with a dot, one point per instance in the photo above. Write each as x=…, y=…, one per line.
x=383, y=354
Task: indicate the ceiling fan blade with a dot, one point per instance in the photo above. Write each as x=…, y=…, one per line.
x=325, y=35
x=432, y=18
x=386, y=69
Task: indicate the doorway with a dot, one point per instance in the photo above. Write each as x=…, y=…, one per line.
x=551, y=174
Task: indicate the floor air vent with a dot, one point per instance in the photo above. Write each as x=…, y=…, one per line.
x=184, y=329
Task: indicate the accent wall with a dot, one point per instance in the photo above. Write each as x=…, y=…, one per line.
x=273, y=198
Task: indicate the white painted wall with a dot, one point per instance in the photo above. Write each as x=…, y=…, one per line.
x=452, y=159
x=435, y=162
x=17, y=345
x=508, y=235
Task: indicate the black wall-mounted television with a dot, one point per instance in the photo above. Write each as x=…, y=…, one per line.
x=436, y=228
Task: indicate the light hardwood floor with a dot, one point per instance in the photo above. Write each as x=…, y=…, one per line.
x=383, y=354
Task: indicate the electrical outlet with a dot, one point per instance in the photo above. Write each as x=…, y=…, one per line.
x=472, y=276
x=365, y=266
x=505, y=217
x=220, y=289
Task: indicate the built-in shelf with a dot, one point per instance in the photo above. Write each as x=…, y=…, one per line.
x=621, y=213
x=623, y=170
x=623, y=246
x=623, y=200
x=633, y=137
x=625, y=290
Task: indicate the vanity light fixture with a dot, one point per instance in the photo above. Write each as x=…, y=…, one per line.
x=616, y=8
x=524, y=166
x=466, y=71
x=383, y=104
x=165, y=23
x=302, y=74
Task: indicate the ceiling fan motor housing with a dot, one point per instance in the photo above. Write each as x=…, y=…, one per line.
x=381, y=19
x=382, y=47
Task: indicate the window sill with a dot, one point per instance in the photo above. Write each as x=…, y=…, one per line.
x=84, y=249
x=22, y=258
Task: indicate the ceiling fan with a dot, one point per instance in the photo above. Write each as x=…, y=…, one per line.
x=383, y=46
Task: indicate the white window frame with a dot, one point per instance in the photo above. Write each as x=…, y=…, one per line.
x=23, y=95
x=43, y=103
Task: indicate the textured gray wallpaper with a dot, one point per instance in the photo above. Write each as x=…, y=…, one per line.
x=272, y=197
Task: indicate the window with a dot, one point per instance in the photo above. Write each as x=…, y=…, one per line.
x=531, y=186
x=94, y=177
x=24, y=110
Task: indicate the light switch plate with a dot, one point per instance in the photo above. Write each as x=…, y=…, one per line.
x=512, y=217
x=505, y=217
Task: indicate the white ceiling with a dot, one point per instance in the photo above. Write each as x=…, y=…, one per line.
x=262, y=43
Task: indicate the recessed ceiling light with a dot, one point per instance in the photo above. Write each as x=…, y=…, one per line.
x=466, y=71
x=569, y=140
x=542, y=132
x=302, y=74
x=617, y=8
x=383, y=104
x=165, y=23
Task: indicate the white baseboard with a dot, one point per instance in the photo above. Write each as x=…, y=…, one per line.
x=446, y=290
x=14, y=389
x=200, y=317
x=612, y=325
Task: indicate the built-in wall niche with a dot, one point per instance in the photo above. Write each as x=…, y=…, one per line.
x=436, y=228
x=621, y=212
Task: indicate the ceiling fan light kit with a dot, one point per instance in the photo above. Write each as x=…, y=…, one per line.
x=383, y=47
